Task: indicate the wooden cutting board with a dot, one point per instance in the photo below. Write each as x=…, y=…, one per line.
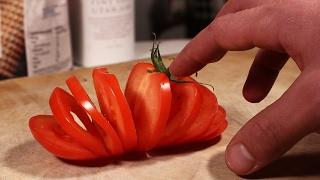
x=21, y=157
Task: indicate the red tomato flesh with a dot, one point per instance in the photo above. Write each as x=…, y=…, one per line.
x=62, y=104
x=185, y=107
x=52, y=137
x=154, y=111
x=201, y=123
x=217, y=126
x=149, y=97
x=115, y=107
x=110, y=137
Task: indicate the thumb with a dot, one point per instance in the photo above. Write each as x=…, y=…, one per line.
x=272, y=132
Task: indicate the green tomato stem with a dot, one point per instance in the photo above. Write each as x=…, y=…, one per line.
x=157, y=59
x=160, y=67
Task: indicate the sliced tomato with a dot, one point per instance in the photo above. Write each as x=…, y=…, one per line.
x=137, y=74
x=217, y=126
x=62, y=104
x=52, y=137
x=185, y=107
x=149, y=97
x=222, y=110
x=110, y=137
x=114, y=106
x=152, y=112
x=208, y=110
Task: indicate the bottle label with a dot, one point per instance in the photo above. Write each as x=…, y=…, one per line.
x=47, y=36
x=108, y=31
x=110, y=19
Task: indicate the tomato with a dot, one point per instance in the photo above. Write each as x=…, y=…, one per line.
x=110, y=137
x=137, y=74
x=115, y=107
x=149, y=97
x=217, y=126
x=156, y=110
x=185, y=107
x=201, y=123
x=52, y=137
x=62, y=104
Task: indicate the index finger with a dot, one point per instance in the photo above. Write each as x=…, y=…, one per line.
x=196, y=54
x=243, y=30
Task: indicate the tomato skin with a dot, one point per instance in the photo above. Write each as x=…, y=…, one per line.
x=217, y=126
x=149, y=97
x=111, y=139
x=154, y=111
x=52, y=137
x=201, y=123
x=115, y=107
x=62, y=103
x=136, y=76
x=185, y=107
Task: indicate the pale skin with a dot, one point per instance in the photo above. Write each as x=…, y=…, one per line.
x=281, y=29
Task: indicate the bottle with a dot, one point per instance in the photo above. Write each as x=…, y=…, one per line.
x=103, y=31
x=47, y=36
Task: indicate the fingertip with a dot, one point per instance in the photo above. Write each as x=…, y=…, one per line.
x=254, y=94
x=239, y=159
x=200, y=51
x=182, y=70
x=262, y=75
x=187, y=62
x=175, y=69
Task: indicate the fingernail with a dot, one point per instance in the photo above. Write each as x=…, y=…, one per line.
x=239, y=159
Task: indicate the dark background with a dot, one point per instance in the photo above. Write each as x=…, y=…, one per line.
x=173, y=18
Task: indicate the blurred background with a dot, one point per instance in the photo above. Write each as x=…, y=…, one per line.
x=44, y=36
x=172, y=19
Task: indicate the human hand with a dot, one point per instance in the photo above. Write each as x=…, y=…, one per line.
x=281, y=29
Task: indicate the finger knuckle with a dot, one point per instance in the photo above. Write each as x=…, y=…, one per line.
x=215, y=26
x=217, y=29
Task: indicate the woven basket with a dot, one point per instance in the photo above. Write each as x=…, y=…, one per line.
x=13, y=61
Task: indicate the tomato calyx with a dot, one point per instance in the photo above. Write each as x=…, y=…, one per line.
x=160, y=67
x=158, y=62
x=157, y=59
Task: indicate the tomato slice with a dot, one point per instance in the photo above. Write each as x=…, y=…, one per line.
x=110, y=137
x=149, y=97
x=52, y=137
x=185, y=107
x=217, y=126
x=136, y=76
x=115, y=107
x=62, y=104
x=208, y=110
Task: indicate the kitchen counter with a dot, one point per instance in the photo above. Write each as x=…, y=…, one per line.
x=21, y=157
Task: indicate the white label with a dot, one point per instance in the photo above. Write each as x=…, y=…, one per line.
x=110, y=19
x=108, y=31
x=47, y=36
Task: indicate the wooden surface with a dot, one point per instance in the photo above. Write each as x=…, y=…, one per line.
x=21, y=157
